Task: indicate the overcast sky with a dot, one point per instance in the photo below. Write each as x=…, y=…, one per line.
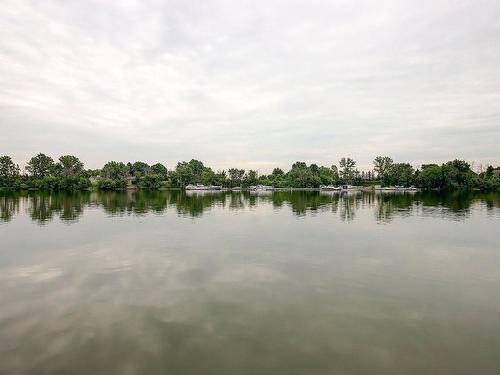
x=252, y=84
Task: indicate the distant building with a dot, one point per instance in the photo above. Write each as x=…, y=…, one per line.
x=130, y=182
x=496, y=172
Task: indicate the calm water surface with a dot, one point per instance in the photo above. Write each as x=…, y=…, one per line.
x=234, y=283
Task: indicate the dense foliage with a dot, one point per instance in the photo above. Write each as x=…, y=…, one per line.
x=68, y=173
x=44, y=174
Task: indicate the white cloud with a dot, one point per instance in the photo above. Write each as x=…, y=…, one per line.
x=250, y=83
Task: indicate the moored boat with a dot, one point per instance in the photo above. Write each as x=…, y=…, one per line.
x=330, y=188
x=261, y=188
x=385, y=188
x=349, y=188
x=202, y=187
x=395, y=188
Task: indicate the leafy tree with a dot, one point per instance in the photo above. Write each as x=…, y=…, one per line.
x=457, y=174
x=9, y=173
x=400, y=174
x=300, y=175
x=114, y=170
x=189, y=172
x=336, y=176
x=347, y=170
x=47, y=183
x=197, y=168
x=382, y=165
x=208, y=177
x=314, y=169
x=7, y=167
x=69, y=166
x=160, y=170
x=430, y=177
x=112, y=184
x=235, y=176
x=139, y=169
x=40, y=166
x=220, y=179
x=93, y=172
x=185, y=175
x=278, y=173
x=83, y=183
x=250, y=178
x=150, y=181
x=328, y=176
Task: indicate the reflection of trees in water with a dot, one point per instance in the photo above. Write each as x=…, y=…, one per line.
x=390, y=204
x=454, y=205
x=302, y=202
x=43, y=207
x=236, y=201
x=349, y=203
x=195, y=203
x=115, y=203
x=491, y=200
x=9, y=206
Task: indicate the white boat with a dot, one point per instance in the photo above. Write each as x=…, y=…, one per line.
x=330, y=188
x=385, y=188
x=395, y=188
x=350, y=188
x=196, y=187
x=202, y=187
x=261, y=188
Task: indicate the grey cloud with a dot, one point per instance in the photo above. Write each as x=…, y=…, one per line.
x=252, y=83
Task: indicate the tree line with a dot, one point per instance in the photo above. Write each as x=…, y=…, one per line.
x=68, y=173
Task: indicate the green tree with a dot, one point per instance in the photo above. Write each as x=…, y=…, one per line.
x=400, y=174
x=69, y=166
x=7, y=167
x=220, y=179
x=173, y=179
x=314, y=169
x=250, y=178
x=150, y=181
x=160, y=170
x=185, y=175
x=235, y=176
x=139, y=169
x=189, y=172
x=382, y=166
x=457, y=174
x=347, y=170
x=489, y=171
x=208, y=177
x=114, y=170
x=9, y=173
x=430, y=177
x=112, y=184
x=40, y=166
x=335, y=174
x=197, y=168
x=327, y=176
x=278, y=173
x=300, y=175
